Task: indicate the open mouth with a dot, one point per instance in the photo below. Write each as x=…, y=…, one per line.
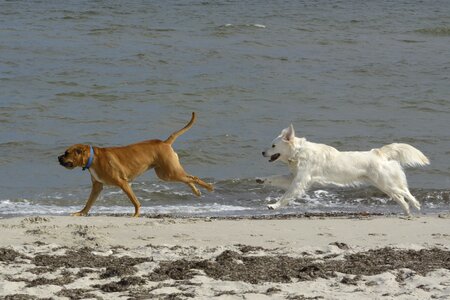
x=274, y=157
x=67, y=165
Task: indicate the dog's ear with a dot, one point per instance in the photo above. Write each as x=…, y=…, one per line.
x=84, y=152
x=289, y=133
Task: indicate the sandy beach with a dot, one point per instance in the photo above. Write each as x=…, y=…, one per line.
x=297, y=257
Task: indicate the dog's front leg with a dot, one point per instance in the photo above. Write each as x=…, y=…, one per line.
x=297, y=188
x=97, y=187
x=125, y=186
x=280, y=181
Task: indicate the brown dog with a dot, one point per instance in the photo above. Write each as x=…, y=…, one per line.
x=120, y=165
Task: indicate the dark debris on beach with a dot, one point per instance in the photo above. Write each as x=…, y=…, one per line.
x=230, y=265
x=84, y=258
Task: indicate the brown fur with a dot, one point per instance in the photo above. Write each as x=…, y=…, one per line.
x=120, y=165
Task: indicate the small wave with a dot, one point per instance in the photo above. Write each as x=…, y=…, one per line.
x=161, y=29
x=245, y=25
x=14, y=144
x=411, y=41
x=228, y=29
x=105, y=31
x=11, y=208
x=63, y=83
x=200, y=209
x=72, y=94
x=437, y=31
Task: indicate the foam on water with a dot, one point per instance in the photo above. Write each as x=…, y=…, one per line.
x=232, y=197
x=10, y=208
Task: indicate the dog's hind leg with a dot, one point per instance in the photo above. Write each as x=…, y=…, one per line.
x=125, y=186
x=407, y=194
x=171, y=170
x=402, y=188
x=192, y=180
x=97, y=187
x=200, y=182
x=396, y=194
x=392, y=181
x=194, y=189
x=400, y=200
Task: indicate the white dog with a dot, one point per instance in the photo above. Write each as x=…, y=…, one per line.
x=320, y=164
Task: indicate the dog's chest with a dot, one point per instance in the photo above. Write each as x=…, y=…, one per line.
x=93, y=174
x=295, y=166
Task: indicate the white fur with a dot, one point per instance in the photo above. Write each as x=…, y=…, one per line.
x=312, y=163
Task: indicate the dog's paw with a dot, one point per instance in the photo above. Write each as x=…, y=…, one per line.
x=260, y=181
x=409, y=217
x=273, y=206
x=78, y=214
x=196, y=191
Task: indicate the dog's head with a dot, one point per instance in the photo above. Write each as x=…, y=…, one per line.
x=74, y=156
x=282, y=146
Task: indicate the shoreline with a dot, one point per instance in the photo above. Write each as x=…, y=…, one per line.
x=294, y=257
x=200, y=216
x=260, y=216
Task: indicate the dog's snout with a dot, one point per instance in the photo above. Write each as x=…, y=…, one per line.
x=264, y=153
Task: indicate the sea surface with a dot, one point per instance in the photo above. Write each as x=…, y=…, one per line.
x=352, y=74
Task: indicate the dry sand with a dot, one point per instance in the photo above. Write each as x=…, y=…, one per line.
x=319, y=257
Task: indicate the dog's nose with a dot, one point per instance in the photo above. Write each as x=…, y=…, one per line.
x=264, y=153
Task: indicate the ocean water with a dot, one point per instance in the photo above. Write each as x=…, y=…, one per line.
x=352, y=74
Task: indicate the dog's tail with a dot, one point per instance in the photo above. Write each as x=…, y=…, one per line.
x=405, y=154
x=171, y=139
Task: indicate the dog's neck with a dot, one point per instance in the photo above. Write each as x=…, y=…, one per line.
x=90, y=159
x=298, y=144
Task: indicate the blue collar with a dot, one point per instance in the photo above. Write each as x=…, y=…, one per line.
x=90, y=159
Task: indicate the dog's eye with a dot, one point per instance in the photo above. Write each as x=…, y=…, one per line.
x=273, y=146
x=78, y=151
x=66, y=153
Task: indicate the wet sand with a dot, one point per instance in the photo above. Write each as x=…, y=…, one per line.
x=279, y=257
